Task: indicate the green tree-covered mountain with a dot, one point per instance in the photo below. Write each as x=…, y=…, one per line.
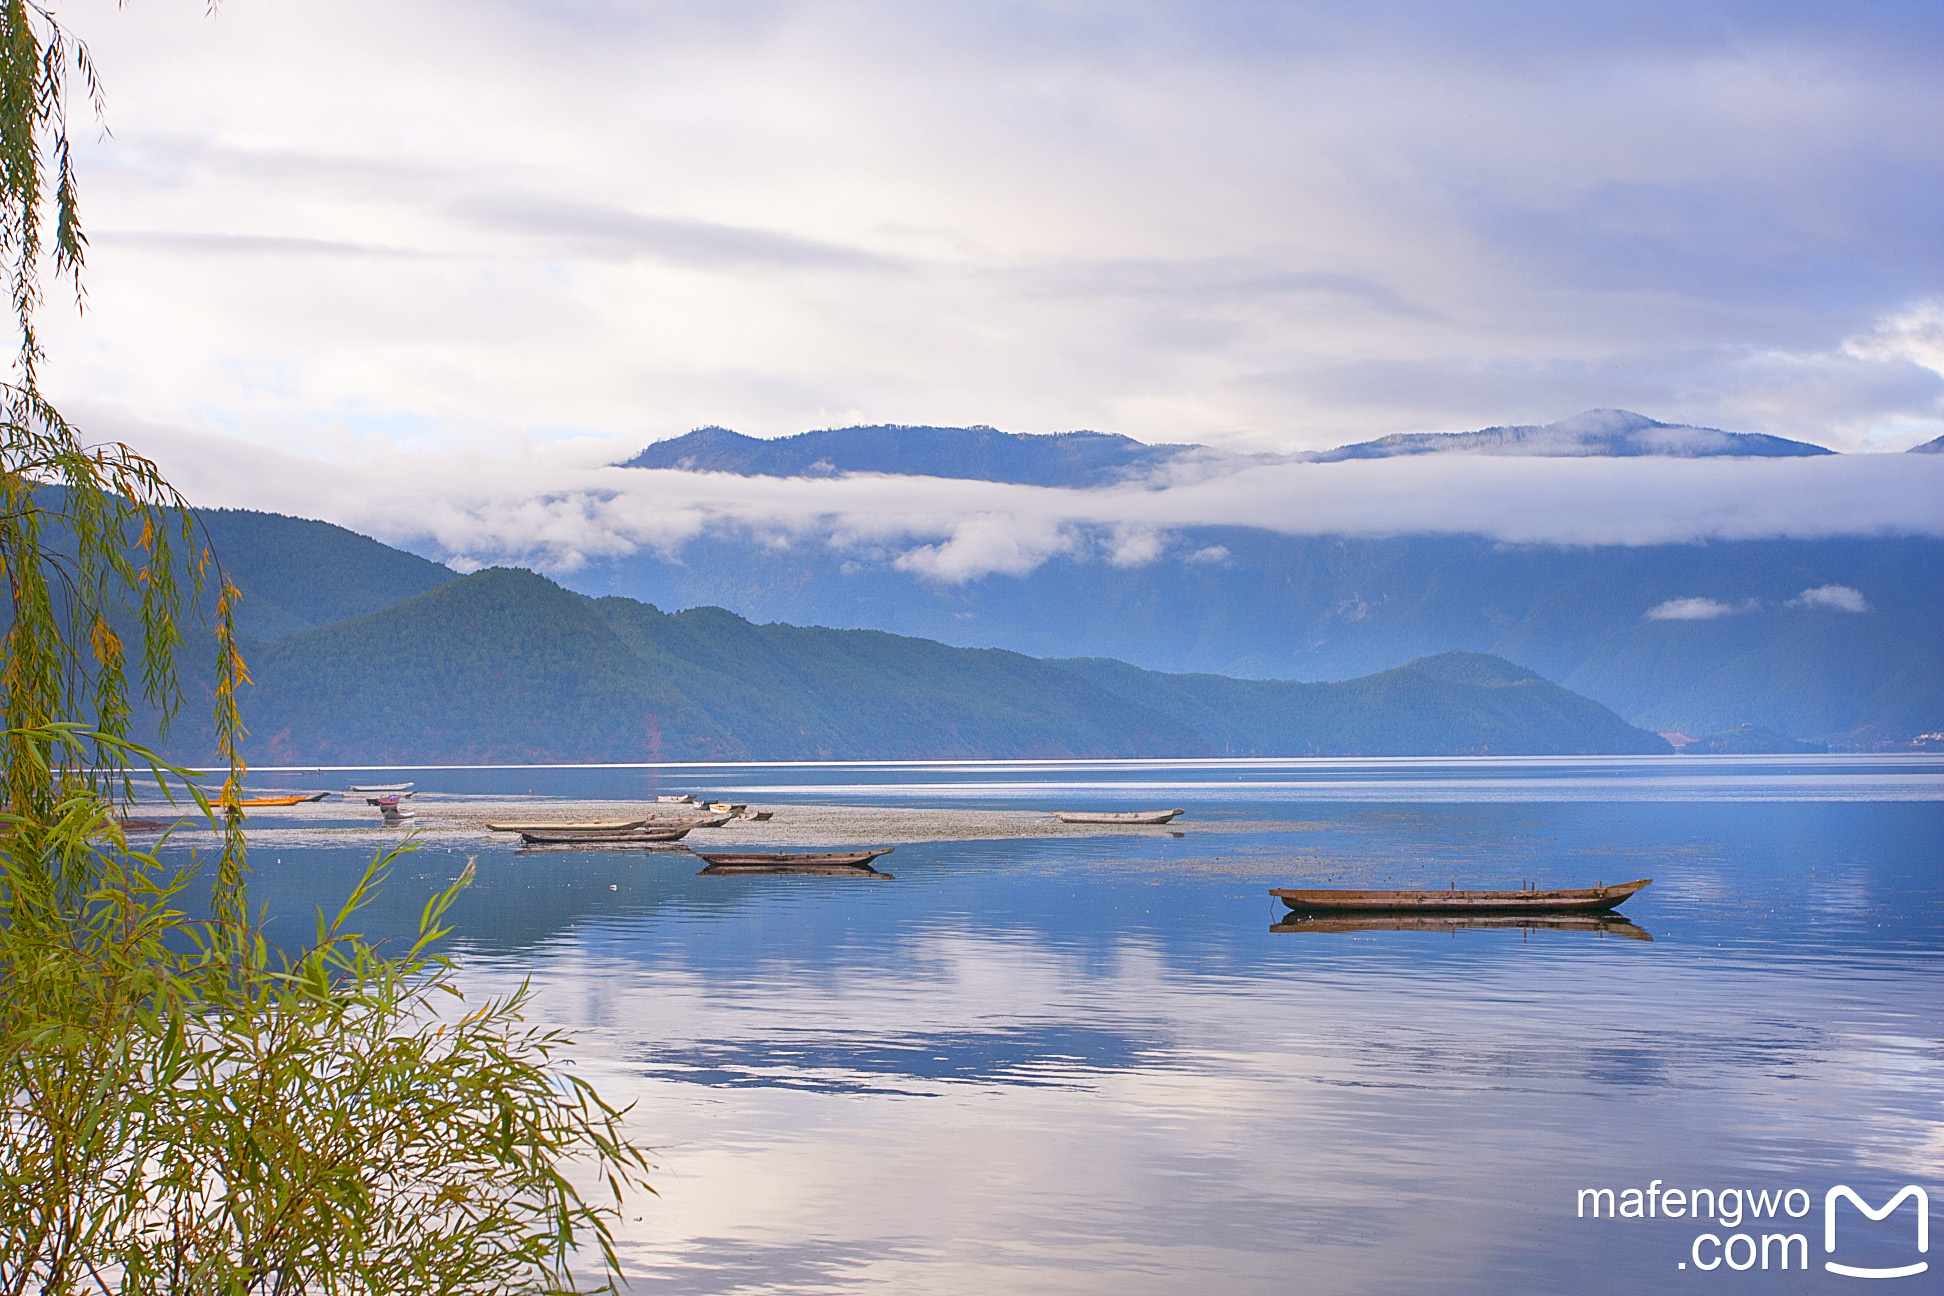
x=297, y=574
x=506, y=666
x=1856, y=669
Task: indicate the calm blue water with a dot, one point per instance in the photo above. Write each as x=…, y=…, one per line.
x=1091, y=1066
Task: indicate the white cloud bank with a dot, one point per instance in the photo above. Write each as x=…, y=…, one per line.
x=549, y=508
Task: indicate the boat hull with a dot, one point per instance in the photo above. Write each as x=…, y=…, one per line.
x=825, y=864
x=1128, y=817
x=1597, y=899
x=581, y=837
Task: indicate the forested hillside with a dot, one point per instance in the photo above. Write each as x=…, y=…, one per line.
x=505, y=666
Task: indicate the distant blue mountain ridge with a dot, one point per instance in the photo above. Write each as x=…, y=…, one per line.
x=1600, y=433
x=1084, y=459
x=975, y=453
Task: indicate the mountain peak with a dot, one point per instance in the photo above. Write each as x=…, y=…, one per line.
x=1596, y=433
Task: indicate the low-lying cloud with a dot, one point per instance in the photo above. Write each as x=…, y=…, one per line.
x=539, y=507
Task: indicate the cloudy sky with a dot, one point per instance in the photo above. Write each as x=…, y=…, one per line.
x=374, y=238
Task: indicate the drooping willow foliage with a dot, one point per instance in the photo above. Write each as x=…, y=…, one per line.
x=183, y=1107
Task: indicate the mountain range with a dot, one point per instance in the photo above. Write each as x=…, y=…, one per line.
x=1835, y=640
x=1087, y=459
x=1838, y=639
x=978, y=453
x=505, y=666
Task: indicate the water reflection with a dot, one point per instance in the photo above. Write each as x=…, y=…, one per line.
x=1597, y=924
x=1084, y=1065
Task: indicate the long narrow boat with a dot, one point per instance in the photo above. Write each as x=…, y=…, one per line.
x=583, y=825
x=246, y=802
x=382, y=787
x=1593, y=899
x=1123, y=817
x=1603, y=924
x=828, y=863
x=581, y=837
x=687, y=798
x=688, y=821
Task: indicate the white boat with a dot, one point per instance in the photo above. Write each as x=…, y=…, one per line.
x=381, y=787
x=687, y=798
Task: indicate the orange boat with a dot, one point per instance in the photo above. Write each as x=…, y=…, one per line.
x=262, y=801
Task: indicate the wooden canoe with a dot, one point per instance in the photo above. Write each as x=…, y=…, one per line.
x=758, y=816
x=583, y=837
x=1605, y=924
x=145, y=825
x=1593, y=899
x=1125, y=817
x=584, y=825
x=828, y=863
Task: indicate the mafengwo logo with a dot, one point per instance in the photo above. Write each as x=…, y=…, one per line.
x=1911, y=1192
x=1740, y=1249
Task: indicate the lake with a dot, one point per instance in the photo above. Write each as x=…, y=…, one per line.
x=1090, y=1064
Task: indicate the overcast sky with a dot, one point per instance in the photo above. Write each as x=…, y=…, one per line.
x=1284, y=224
x=548, y=233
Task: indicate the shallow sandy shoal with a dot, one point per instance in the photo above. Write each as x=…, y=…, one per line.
x=457, y=821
